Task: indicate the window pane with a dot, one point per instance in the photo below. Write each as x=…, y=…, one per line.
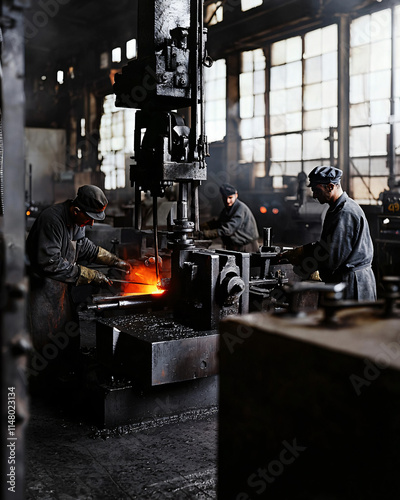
x=379, y=85
x=294, y=49
x=359, y=144
x=293, y=99
x=250, y=4
x=293, y=74
x=359, y=114
x=313, y=43
x=360, y=60
x=293, y=122
x=278, y=124
x=246, y=83
x=259, y=105
x=293, y=147
x=278, y=77
x=358, y=89
x=381, y=55
x=278, y=148
x=313, y=72
x=278, y=53
x=329, y=39
x=277, y=102
x=259, y=150
x=259, y=82
x=246, y=128
x=246, y=107
x=380, y=25
x=312, y=119
x=312, y=97
x=329, y=94
x=380, y=111
x=379, y=135
x=329, y=66
x=360, y=31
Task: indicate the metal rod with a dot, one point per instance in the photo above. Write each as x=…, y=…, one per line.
x=155, y=228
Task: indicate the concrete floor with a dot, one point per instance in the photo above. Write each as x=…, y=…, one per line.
x=68, y=458
x=168, y=458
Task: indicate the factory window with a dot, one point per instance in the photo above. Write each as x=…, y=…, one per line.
x=116, y=54
x=214, y=13
x=252, y=110
x=131, y=49
x=250, y=4
x=215, y=101
x=302, y=101
x=116, y=142
x=370, y=94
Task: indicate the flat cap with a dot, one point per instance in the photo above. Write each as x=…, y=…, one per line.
x=92, y=201
x=324, y=175
x=227, y=189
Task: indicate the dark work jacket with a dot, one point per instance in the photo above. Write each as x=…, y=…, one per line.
x=54, y=247
x=237, y=226
x=345, y=250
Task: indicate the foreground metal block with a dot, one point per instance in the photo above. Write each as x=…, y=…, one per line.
x=153, y=350
x=309, y=409
x=113, y=404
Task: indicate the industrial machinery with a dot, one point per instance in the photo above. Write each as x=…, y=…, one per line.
x=170, y=339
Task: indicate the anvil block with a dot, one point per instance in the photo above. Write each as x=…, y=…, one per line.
x=153, y=349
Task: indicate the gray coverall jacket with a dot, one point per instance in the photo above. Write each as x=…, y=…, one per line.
x=345, y=250
x=54, y=247
x=237, y=228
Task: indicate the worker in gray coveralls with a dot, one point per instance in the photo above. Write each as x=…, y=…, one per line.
x=58, y=252
x=345, y=251
x=236, y=225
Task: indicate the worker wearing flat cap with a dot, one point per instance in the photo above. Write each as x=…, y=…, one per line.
x=236, y=225
x=345, y=251
x=58, y=252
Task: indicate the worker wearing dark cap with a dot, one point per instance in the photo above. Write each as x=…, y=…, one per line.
x=345, y=251
x=58, y=252
x=236, y=225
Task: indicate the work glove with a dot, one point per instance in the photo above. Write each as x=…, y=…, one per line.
x=294, y=256
x=210, y=234
x=92, y=276
x=109, y=259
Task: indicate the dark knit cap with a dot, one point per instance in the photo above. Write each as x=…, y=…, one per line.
x=324, y=175
x=92, y=201
x=227, y=189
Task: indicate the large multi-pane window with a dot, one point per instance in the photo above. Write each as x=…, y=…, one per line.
x=215, y=100
x=252, y=110
x=116, y=142
x=302, y=100
x=370, y=94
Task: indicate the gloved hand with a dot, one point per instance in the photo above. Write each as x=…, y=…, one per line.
x=92, y=276
x=109, y=259
x=294, y=256
x=210, y=234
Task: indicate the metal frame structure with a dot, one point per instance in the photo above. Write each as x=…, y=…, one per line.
x=13, y=331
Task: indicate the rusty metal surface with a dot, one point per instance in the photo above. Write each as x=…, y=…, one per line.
x=154, y=349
